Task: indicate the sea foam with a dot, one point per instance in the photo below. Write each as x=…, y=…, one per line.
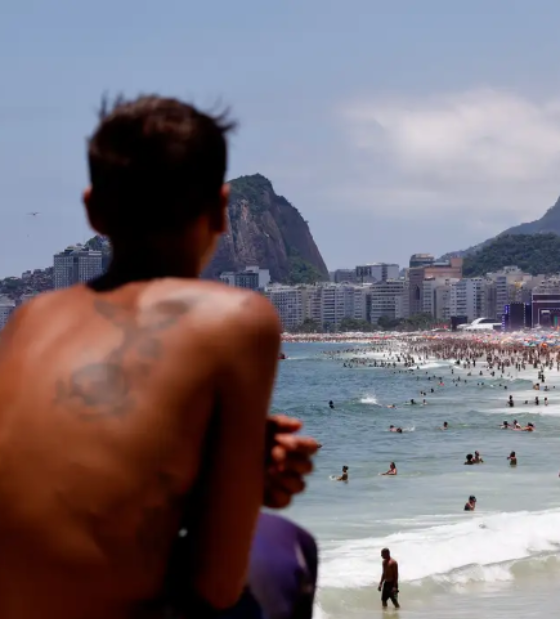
x=477, y=548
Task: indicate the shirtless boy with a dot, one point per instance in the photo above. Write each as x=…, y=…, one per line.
x=136, y=403
x=389, y=583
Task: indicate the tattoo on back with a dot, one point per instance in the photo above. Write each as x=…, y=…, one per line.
x=106, y=387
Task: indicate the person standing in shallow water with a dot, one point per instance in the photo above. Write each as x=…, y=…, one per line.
x=389, y=583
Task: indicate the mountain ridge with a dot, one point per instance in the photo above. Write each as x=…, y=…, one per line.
x=265, y=229
x=548, y=223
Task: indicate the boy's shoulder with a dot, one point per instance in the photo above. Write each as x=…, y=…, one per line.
x=229, y=305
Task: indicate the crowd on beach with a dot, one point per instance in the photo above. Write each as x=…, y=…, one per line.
x=490, y=361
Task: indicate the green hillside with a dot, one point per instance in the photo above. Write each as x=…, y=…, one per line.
x=535, y=254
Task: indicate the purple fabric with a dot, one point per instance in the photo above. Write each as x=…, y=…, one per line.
x=282, y=577
x=283, y=569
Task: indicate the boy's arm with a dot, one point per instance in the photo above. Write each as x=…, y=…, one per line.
x=288, y=460
x=222, y=527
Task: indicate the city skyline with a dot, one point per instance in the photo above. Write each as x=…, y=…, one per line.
x=396, y=127
x=369, y=296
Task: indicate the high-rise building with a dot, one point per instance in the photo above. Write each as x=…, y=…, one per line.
x=338, y=301
x=416, y=276
x=288, y=301
x=545, y=311
x=376, y=272
x=421, y=260
x=511, y=285
x=385, y=298
x=344, y=275
x=436, y=297
x=76, y=264
x=467, y=298
x=251, y=277
x=326, y=304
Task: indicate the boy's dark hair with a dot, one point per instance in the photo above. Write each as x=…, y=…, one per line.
x=155, y=164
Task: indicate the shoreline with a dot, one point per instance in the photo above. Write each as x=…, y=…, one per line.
x=357, y=337
x=498, y=562
x=533, y=338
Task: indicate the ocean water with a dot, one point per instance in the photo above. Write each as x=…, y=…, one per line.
x=500, y=561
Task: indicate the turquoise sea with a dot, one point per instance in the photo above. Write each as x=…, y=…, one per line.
x=500, y=561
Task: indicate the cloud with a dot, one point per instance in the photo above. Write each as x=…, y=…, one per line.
x=489, y=154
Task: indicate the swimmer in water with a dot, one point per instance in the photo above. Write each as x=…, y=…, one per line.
x=471, y=504
x=331, y=404
x=505, y=425
x=469, y=460
x=344, y=476
x=392, y=471
x=445, y=426
x=512, y=459
x=477, y=457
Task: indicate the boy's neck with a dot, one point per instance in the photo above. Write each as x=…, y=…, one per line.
x=139, y=265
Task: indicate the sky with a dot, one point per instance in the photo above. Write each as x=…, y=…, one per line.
x=394, y=126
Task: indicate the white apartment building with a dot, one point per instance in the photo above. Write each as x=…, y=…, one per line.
x=362, y=303
x=329, y=304
x=402, y=302
x=547, y=286
x=337, y=303
x=466, y=298
x=442, y=302
x=509, y=282
x=313, y=303
x=289, y=303
x=76, y=264
x=489, y=300
x=436, y=295
x=384, y=296
x=326, y=304
x=7, y=306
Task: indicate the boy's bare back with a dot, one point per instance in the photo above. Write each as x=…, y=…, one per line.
x=106, y=399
